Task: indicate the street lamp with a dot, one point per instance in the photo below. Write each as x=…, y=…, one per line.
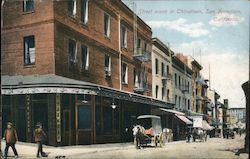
x=113, y=106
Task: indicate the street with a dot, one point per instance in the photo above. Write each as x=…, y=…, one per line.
x=214, y=148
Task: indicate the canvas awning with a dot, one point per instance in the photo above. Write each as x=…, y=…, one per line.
x=184, y=119
x=172, y=111
x=206, y=126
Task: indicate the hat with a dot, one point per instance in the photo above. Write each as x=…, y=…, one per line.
x=9, y=123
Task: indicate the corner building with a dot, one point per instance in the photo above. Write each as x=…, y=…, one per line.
x=80, y=67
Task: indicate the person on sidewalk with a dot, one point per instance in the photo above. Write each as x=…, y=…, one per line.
x=10, y=136
x=39, y=135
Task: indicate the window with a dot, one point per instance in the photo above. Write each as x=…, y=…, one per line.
x=124, y=73
x=28, y=5
x=163, y=93
x=123, y=37
x=84, y=57
x=168, y=95
x=106, y=25
x=175, y=79
x=84, y=11
x=138, y=43
x=179, y=102
x=29, y=50
x=188, y=104
x=175, y=99
x=168, y=70
x=137, y=78
x=72, y=8
x=72, y=52
x=188, y=87
x=156, y=66
x=179, y=82
x=145, y=46
x=162, y=69
x=84, y=117
x=107, y=63
x=156, y=91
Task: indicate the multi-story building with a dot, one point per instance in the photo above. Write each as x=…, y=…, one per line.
x=82, y=68
x=162, y=88
x=238, y=113
x=182, y=77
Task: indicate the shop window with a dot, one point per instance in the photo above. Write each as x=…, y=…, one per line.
x=84, y=57
x=72, y=8
x=106, y=25
x=124, y=73
x=28, y=5
x=98, y=116
x=65, y=101
x=29, y=50
x=123, y=37
x=72, y=52
x=84, y=11
x=84, y=117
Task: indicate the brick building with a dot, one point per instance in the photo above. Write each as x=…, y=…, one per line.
x=80, y=67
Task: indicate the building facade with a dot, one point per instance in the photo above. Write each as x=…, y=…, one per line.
x=82, y=68
x=238, y=113
x=162, y=88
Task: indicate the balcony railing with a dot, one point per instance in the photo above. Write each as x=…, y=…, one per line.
x=140, y=87
x=142, y=55
x=166, y=76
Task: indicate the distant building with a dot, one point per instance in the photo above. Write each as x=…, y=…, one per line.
x=238, y=113
x=182, y=77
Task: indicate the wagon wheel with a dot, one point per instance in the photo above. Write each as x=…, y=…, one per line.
x=155, y=141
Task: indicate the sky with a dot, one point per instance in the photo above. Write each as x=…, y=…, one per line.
x=214, y=32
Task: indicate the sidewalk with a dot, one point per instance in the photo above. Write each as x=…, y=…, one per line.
x=28, y=150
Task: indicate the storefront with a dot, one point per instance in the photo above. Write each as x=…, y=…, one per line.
x=72, y=112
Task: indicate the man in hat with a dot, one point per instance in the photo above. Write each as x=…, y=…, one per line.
x=39, y=135
x=10, y=136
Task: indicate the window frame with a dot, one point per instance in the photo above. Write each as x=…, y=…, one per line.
x=156, y=91
x=86, y=67
x=124, y=41
x=84, y=19
x=75, y=53
x=24, y=6
x=156, y=66
x=107, y=69
x=125, y=74
x=25, y=44
x=108, y=25
x=74, y=11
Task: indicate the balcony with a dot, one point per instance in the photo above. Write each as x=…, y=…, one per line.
x=166, y=76
x=185, y=89
x=140, y=87
x=142, y=55
x=107, y=72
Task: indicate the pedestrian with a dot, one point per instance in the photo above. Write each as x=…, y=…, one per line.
x=11, y=138
x=40, y=136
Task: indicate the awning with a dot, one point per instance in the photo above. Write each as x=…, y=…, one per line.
x=206, y=126
x=50, y=83
x=172, y=111
x=184, y=119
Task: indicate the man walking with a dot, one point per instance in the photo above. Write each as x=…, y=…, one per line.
x=39, y=138
x=10, y=136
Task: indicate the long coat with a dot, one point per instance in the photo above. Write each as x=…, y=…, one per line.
x=39, y=135
x=10, y=136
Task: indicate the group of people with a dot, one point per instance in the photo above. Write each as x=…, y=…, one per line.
x=196, y=134
x=10, y=136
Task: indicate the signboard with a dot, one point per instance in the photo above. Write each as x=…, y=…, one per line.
x=197, y=121
x=58, y=118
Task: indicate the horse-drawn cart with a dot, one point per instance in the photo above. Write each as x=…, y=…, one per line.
x=148, y=131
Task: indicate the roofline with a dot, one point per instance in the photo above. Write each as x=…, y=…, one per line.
x=182, y=63
x=197, y=64
x=158, y=43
